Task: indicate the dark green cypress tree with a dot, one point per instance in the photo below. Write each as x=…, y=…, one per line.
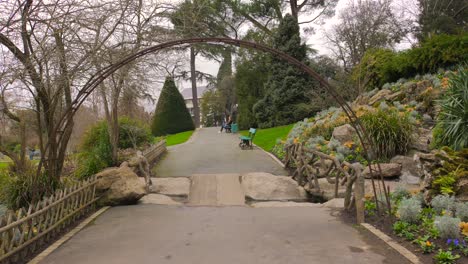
x=171, y=115
x=286, y=99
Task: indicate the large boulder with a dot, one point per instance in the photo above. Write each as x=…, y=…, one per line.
x=262, y=186
x=410, y=172
x=327, y=190
x=119, y=186
x=175, y=186
x=389, y=170
x=344, y=133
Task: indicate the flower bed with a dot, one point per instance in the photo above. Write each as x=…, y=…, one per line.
x=437, y=232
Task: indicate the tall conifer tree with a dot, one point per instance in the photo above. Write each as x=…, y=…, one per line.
x=171, y=115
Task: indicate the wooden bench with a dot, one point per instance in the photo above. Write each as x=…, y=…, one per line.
x=247, y=141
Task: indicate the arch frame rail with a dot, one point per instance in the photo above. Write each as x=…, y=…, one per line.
x=366, y=142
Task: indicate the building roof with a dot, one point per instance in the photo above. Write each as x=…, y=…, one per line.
x=187, y=92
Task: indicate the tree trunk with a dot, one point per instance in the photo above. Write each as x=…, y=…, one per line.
x=196, y=109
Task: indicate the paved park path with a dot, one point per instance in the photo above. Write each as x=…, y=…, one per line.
x=214, y=231
x=209, y=152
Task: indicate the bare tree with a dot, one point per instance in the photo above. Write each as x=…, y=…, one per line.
x=43, y=38
x=363, y=25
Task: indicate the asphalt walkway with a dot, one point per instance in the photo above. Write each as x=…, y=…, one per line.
x=210, y=152
x=147, y=234
x=214, y=233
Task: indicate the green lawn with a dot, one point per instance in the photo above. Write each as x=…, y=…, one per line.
x=178, y=138
x=266, y=138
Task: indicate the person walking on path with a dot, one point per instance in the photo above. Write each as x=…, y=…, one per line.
x=226, y=124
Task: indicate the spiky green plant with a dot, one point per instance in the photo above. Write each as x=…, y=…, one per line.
x=452, y=122
x=390, y=131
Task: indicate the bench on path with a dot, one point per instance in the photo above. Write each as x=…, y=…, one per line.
x=247, y=141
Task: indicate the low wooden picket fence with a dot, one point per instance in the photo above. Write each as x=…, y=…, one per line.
x=28, y=229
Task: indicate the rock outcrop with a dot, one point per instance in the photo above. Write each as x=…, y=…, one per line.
x=267, y=187
x=389, y=170
x=119, y=186
x=344, y=133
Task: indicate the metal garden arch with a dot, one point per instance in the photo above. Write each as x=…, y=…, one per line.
x=101, y=75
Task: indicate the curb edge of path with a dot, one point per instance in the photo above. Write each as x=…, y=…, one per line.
x=393, y=244
x=41, y=256
x=271, y=156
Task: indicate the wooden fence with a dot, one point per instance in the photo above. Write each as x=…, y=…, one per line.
x=155, y=151
x=26, y=230
x=311, y=165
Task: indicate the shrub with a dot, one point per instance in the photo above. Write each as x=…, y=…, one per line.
x=461, y=211
x=21, y=189
x=380, y=66
x=409, y=210
x=448, y=227
x=442, y=203
x=452, y=122
x=96, y=151
x=390, y=131
x=132, y=133
x=171, y=115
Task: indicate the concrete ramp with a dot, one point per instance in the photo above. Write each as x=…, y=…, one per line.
x=216, y=190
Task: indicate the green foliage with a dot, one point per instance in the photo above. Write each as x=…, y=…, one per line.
x=251, y=76
x=21, y=189
x=445, y=257
x=285, y=99
x=452, y=122
x=442, y=203
x=404, y=229
x=96, y=150
x=445, y=184
x=370, y=207
x=390, y=130
x=132, y=133
x=409, y=210
x=212, y=108
x=171, y=115
x=448, y=227
x=380, y=66
x=441, y=16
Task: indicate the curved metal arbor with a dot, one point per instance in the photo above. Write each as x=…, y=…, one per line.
x=101, y=75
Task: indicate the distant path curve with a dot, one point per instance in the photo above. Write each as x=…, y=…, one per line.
x=208, y=152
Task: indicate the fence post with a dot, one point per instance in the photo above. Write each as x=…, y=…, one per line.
x=359, y=197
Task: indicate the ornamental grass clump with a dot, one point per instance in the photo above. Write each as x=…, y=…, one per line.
x=390, y=130
x=443, y=204
x=409, y=210
x=448, y=227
